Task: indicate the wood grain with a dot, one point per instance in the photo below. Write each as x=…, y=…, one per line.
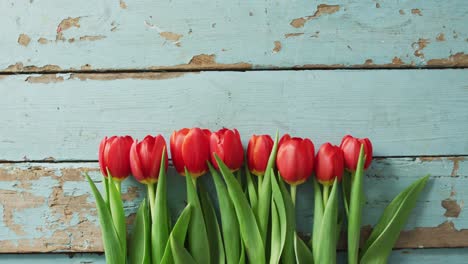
x=404, y=112
x=43, y=36
x=48, y=207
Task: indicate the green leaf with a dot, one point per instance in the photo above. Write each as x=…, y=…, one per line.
x=288, y=256
x=303, y=253
x=249, y=230
x=106, y=190
x=382, y=239
x=139, y=251
x=251, y=190
x=318, y=216
x=178, y=233
x=198, y=238
x=279, y=221
x=181, y=255
x=112, y=247
x=117, y=212
x=242, y=255
x=326, y=247
x=356, y=205
x=160, y=227
x=346, y=190
x=264, y=195
x=229, y=223
x=212, y=228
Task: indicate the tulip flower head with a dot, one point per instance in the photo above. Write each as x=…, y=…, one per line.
x=227, y=145
x=351, y=147
x=258, y=153
x=114, y=156
x=190, y=148
x=145, y=158
x=295, y=159
x=329, y=164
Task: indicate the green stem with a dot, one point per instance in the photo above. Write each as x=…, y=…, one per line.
x=194, y=180
x=326, y=193
x=260, y=180
x=293, y=194
x=152, y=198
x=118, y=185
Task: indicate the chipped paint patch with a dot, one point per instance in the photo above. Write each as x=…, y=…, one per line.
x=19, y=67
x=43, y=41
x=66, y=24
x=290, y=35
x=322, y=9
x=421, y=44
x=369, y=62
x=123, y=5
x=277, y=47
x=452, y=208
x=456, y=165
x=429, y=159
x=92, y=38
x=24, y=40
x=401, y=11
x=459, y=59
x=416, y=11
x=173, y=37
x=45, y=78
x=205, y=62
x=121, y=76
x=86, y=67
x=440, y=37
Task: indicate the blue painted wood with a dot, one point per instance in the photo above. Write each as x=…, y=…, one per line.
x=48, y=207
x=150, y=34
x=404, y=112
x=429, y=256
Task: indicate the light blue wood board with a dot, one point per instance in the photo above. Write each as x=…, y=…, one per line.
x=240, y=34
x=429, y=256
x=48, y=207
x=403, y=112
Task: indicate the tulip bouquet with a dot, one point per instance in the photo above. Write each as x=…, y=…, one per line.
x=255, y=222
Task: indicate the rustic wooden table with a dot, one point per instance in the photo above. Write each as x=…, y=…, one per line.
x=75, y=71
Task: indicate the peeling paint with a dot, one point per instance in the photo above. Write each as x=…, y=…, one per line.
x=86, y=67
x=440, y=37
x=131, y=75
x=457, y=60
x=456, y=165
x=92, y=38
x=369, y=62
x=452, y=208
x=45, y=78
x=123, y=5
x=203, y=62
x=19, y=67
x=24, y=40
x=416, y=11
x=174, y=37
x=289, y=35
x=401, y=11
x=43, y=41
x=322, y=9
x=421, y=44
x=277, y=47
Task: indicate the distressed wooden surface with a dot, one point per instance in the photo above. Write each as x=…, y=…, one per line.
x=429, y=256
x=404, y=112
x=154, y=35
x=48, y=207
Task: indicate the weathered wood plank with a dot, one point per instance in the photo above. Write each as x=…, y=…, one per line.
x=404, y=112
x=146, y=34
x=47, y=207
x=429, y=256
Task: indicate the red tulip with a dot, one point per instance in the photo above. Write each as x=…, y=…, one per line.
x=295, y=159
x=190, y=148
x=329, y=164
x=114, y=156
x=258, y=152
x=145, y=158
x=351, y=147
x=227, y=145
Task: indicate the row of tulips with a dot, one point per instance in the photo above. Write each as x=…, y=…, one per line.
x=256, y=222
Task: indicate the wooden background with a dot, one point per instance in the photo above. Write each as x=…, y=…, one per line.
x=72, y=72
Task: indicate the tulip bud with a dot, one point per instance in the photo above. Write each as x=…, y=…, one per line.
x=145, y=158
x=329, y=164
x=114, y=156
x=351, y=147
x=190, y=148
x=258, y=153
x=227, y=145
x=295, y=159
